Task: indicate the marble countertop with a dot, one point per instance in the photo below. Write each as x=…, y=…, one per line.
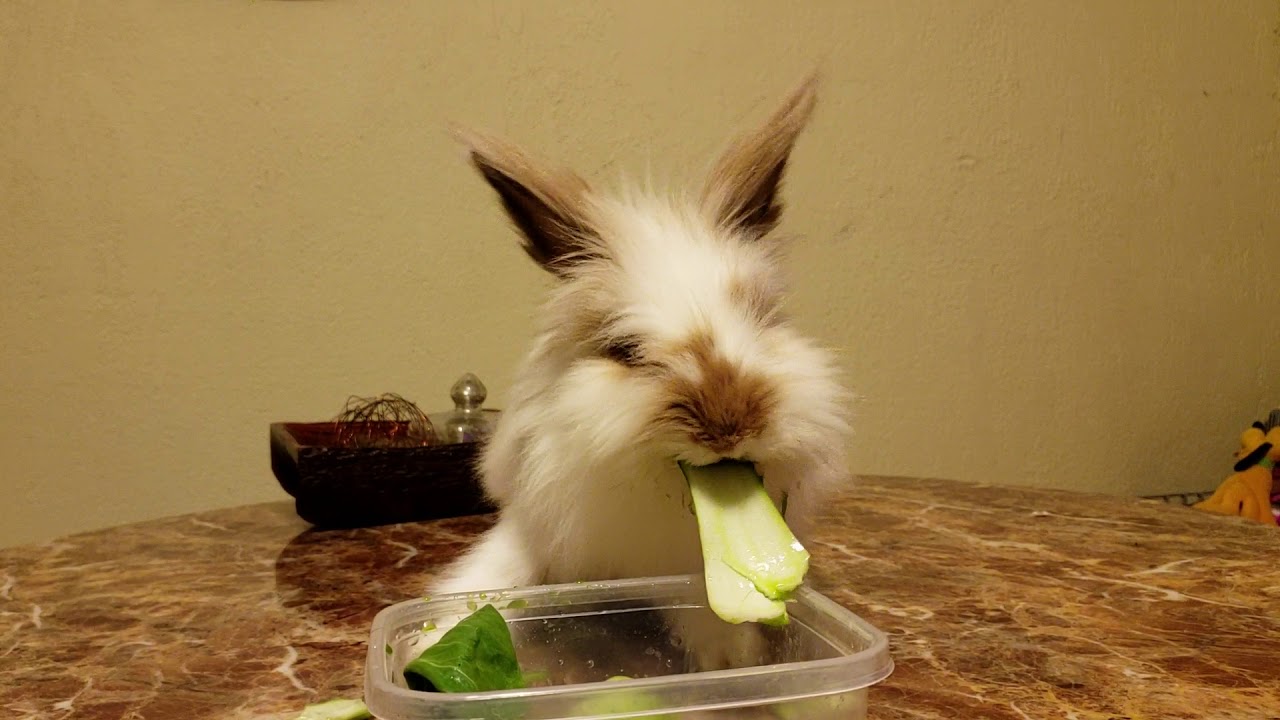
x=1000, y=603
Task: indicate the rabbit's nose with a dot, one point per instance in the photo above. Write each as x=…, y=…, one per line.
x=721, y=404
x=726, y=439
x=724, y=445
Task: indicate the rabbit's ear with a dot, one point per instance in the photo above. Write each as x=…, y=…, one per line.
x=742, y=191
x=547, y=206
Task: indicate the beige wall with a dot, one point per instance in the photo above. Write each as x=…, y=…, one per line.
x=1044, y=235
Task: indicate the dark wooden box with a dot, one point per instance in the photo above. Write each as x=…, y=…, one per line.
x=345, y=487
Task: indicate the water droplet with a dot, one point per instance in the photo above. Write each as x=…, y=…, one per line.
x=591, y=663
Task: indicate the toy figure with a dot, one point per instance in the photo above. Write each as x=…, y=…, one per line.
x=1247, y=492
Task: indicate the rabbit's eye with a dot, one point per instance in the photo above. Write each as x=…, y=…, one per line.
x=624, y=351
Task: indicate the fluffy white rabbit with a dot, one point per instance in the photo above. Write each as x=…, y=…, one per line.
x=663, y=339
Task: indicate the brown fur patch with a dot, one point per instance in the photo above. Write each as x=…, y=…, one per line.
x=548, y=207
x=742, y=190
x=725, y=406
x=588, y=329
x=760, y=304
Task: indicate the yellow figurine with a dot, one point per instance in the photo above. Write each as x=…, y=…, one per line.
x=1247, y=492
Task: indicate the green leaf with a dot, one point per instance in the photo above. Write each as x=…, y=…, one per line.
x=533, y=677
x=628, y=702
x=475, y=655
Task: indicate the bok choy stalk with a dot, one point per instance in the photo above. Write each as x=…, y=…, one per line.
x=752, y=561
x=340, y=709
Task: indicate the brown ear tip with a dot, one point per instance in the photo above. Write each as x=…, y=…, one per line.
x=814, y=80
x=805, y=96
x=472, y=141
x=799, y=104
x=469, y=143
x=458, y=132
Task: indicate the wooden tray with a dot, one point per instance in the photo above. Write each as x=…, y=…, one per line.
x=346, y=487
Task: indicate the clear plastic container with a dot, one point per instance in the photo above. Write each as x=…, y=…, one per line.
x=574, y=637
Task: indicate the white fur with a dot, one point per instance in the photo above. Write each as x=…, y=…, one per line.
x=586, y=484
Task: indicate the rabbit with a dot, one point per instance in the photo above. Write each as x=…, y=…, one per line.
x=664, y=339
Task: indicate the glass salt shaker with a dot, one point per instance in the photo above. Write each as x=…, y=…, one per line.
x=469, y=421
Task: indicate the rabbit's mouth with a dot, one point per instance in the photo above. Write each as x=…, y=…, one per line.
x=679, y=441
x=697, y=454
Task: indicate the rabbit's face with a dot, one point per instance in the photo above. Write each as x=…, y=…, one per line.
x=674, y=336
x=666, y=329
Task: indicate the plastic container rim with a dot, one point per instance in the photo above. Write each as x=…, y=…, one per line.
x=376, y=668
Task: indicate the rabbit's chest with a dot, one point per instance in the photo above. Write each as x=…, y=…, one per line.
x=630, y=523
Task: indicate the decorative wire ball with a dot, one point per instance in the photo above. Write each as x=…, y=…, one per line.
x=387, y=420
